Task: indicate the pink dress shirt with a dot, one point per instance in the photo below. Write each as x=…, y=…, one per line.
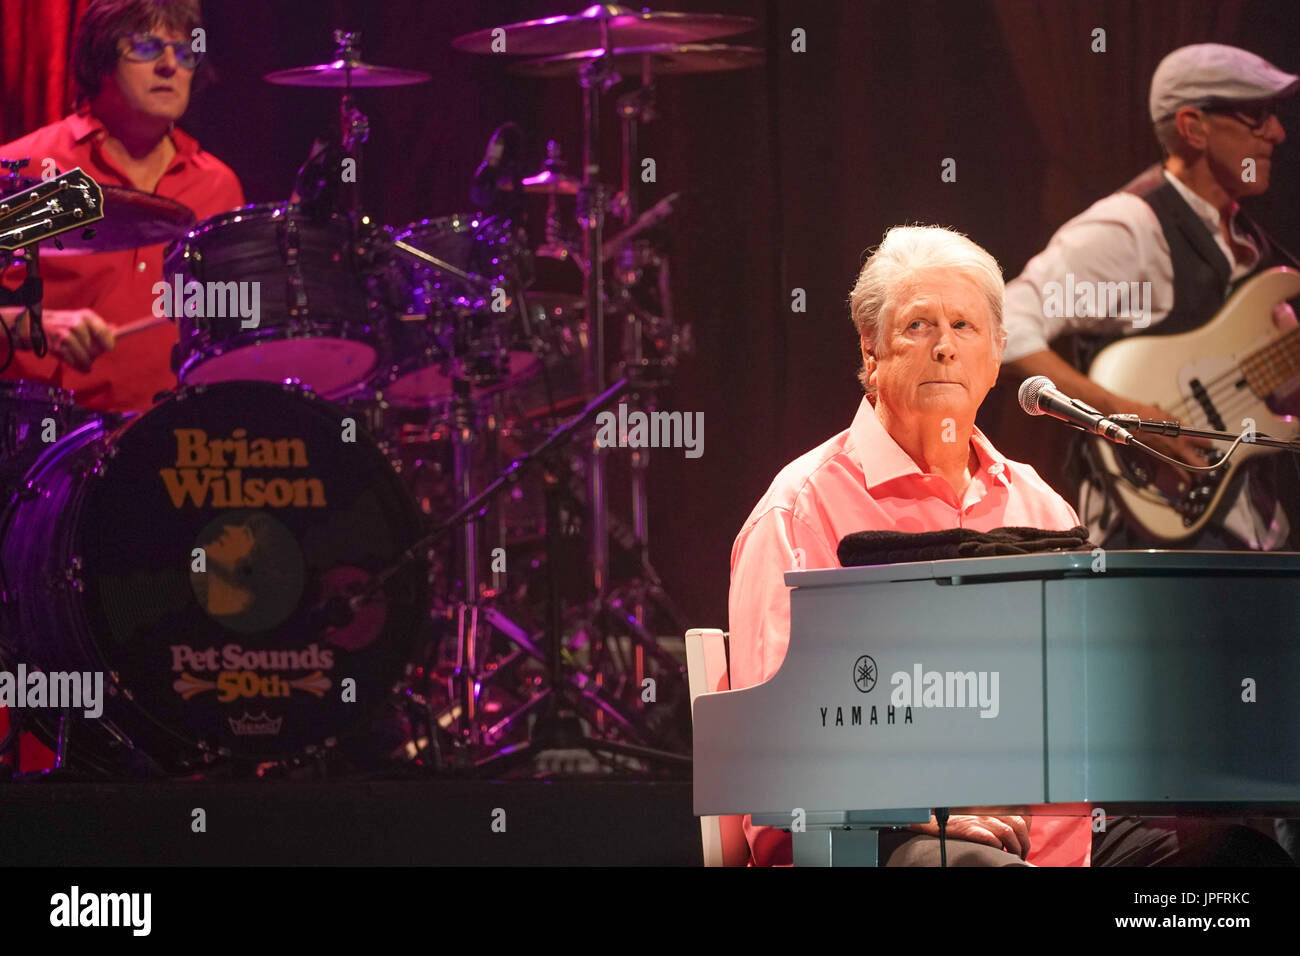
x=862, y=480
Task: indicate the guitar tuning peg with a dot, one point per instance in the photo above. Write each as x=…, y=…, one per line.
x=57, y=244
x=88, y=233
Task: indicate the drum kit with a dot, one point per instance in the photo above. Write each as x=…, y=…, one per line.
x=375, y=527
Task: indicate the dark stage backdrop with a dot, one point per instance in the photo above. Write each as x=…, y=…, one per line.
x=793, y=171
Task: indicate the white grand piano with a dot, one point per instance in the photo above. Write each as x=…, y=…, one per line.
x=1143, y=682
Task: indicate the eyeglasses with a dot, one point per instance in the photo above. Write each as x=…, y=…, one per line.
x=1254, y=115
x=145, y=48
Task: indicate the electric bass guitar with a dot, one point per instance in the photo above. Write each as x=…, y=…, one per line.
x=1236, y=372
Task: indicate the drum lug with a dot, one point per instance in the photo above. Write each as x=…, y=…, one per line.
x=71, y=576
x=98, y=469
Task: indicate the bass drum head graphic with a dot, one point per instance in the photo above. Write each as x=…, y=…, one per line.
x=206, y=538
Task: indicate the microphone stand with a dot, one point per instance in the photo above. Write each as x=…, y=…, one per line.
x=1176, y=428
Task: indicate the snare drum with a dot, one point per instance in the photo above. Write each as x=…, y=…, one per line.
x=316, y=321
x=188, y=556
x=461, y=322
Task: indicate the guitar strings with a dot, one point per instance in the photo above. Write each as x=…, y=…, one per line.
x=1228, y=380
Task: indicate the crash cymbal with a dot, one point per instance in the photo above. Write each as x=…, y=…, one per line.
x=132, y=219
x=552, y=181
x=342, y=74
x=583, y=31
x=661, y=58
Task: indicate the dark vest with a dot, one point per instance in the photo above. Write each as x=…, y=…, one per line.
x=1202, y=280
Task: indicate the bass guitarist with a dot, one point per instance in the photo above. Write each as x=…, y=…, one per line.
x=1178, y=227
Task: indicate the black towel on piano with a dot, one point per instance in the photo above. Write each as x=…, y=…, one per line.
x=894, y=547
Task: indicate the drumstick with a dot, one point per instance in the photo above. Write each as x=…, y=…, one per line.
x=139, y=325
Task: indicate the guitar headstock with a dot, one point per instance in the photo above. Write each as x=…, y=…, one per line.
x=69, y=201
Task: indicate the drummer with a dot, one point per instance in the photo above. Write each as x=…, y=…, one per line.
x=133, y=67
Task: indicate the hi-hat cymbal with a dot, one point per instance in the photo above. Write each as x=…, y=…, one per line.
x=341, y=74
x=552, y=181
x=661, y=58
x=583, y=31
x=132, y=219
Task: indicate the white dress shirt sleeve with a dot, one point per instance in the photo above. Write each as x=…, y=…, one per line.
x=1117, y=239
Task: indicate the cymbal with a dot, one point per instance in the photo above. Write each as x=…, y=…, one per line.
x=132, y=219
x=552, y=181
x=341, y=74
x=662, y=58
x=583, y=31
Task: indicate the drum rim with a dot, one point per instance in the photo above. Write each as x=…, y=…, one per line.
x=514, y=247
x=207, y=350
x=262, y=210
x=380, y=382
x=51, y=394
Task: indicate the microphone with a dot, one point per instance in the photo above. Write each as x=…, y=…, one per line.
x=1040, y=396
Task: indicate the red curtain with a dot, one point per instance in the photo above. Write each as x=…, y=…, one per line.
x=1090, y=109
x=35, y=40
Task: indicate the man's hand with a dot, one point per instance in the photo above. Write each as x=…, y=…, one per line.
x=1181, y=447
x=1004, y=833
x=75, y=336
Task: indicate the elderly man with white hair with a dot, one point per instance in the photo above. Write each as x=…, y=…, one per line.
x=927, y=307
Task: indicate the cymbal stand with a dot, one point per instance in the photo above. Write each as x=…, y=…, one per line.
x=556, y=245
x=467, y=611
x=354, y=126
x=596, y=76
x=634, y=108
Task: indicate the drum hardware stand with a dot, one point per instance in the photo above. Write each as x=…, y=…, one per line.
x=554, y=729
x=469, y=674
x=557, y=726
x=556, y=245
x=467, y=514
x=633, y=109
x=623, y=612
x=466, y=631
x=354, y=126
x=595, y=77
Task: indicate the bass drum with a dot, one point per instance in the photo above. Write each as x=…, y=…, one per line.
x=189, y=556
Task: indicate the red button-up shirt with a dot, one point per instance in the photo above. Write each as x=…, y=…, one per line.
x=117, y=285
x=862, y=480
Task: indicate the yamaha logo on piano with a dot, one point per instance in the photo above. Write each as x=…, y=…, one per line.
x=918, y=688
x=865, y=674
